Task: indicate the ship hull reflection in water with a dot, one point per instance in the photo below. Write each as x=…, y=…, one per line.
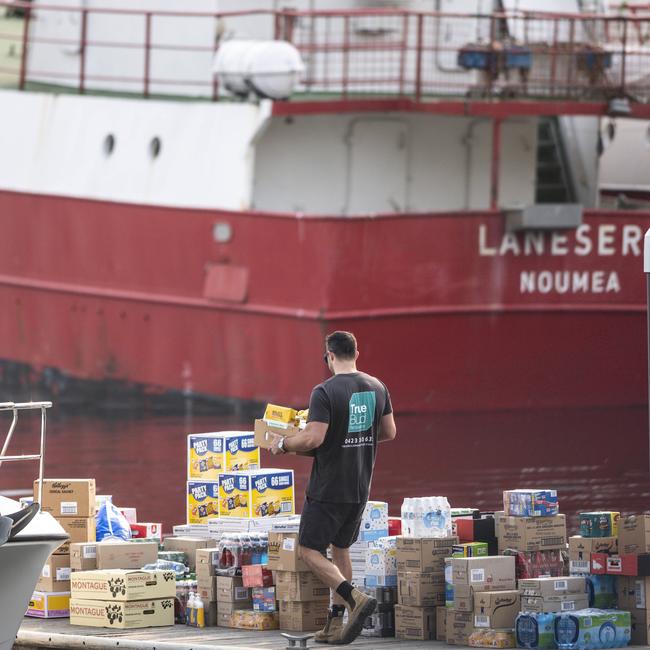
x=596, y=458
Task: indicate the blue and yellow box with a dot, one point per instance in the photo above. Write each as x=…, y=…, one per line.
x=530, y=503
x=202, y=501
x=210, y=454
x=257, y=493
x=470, y=549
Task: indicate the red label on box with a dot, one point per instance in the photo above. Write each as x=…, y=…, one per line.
x=256, y=575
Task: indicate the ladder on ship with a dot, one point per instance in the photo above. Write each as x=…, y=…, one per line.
x=554, y=182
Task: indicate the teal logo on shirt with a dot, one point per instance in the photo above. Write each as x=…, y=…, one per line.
x=362, y=411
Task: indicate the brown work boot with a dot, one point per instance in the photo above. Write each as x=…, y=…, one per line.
x=364, y=606
x=332, y=630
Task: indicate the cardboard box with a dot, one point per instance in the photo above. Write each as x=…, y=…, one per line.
x=303, y=616
x=232, y=591
x=620, y=565
x=421, y=589
x=634, y=534
x=224, y=617
x=441, y=623
x=300, y=587
x=80, y=529
x=415, y=623
x=122, y=585
x=264, y=599
x=492, y=573
x=599, y=524
x=460, y=625
x=496, y=609
x=463, y=598
x=565, y=603
x=207, y=561
x=83, y=556
x=283, y=553
x=640, y=619
x=49, y=605
x=530, y=503
x=126, y=555
x=247, y=619
x=256, y=575
x=423, y=555
x=122, y=615
x=470, y=549
x=581, y=548
x=257, y=493
x=229, y=607
x=546, y=587
x=532, y=533
x=55, y=575
x=67, y=497
x=189, y=546
x=210, y=454
x=632, y=592
x=202, y=501
x=206, y=588
x=381, y=624
x=130, y=514
x=146, y=530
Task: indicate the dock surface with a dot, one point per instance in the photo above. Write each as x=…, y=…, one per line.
x=37, y=633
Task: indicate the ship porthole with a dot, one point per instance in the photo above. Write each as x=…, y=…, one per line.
x=109, y=144
x=154, y=147
x=222, y=232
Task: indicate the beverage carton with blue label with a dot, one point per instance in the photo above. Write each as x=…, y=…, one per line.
x=257, y=493
x=202, y=501
x=592, y=629
x=535, y=630
x=210, y=454
x=530, y=503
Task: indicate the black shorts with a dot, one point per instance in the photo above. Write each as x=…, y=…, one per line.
x=323, y=523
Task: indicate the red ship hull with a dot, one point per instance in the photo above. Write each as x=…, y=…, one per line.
x=453, y=313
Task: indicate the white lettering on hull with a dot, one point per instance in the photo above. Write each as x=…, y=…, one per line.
x=569, y=282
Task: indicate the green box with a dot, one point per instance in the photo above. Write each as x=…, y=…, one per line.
x=470, y=549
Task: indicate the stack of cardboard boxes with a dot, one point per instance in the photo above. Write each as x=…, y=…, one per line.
x=122, y=599
x=634, y=579
x=421, y=584
x=303, y=598
x=482, y=598
x=72, y=503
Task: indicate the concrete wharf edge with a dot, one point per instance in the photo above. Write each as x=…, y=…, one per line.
x=58, y=633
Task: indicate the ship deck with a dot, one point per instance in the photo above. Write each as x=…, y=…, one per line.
x=36, y=633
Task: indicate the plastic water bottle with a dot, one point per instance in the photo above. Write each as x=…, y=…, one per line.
x=190, y=609
x=200, y=612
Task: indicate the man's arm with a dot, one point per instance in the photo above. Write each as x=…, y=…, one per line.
x=309, y=438
x=387, y=428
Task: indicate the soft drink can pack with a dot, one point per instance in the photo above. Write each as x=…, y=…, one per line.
x=535, y=630
x=599, y=524
x=593, y=629
x=530, y=503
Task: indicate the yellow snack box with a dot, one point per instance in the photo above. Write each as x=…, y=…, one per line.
x=257, y=493
x=202, y=501
x=280, y=413
x=209, y=454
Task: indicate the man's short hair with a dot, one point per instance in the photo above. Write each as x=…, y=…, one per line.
x=342, y=344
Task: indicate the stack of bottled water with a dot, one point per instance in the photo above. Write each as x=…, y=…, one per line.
x=426, y=517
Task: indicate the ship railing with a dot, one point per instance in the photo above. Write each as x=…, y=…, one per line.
x=15, y=408
x=370, y=53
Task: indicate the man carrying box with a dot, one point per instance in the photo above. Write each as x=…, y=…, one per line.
x=348, y=415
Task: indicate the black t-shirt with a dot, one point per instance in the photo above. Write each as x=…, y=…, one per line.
x=352, y=404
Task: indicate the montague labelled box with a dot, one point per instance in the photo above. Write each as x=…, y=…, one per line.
x=122, y=615
x=202, y=501
x=599, y=524
x=257, y=493
x=210, y=454
x=122, y=585
x=530, y=503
